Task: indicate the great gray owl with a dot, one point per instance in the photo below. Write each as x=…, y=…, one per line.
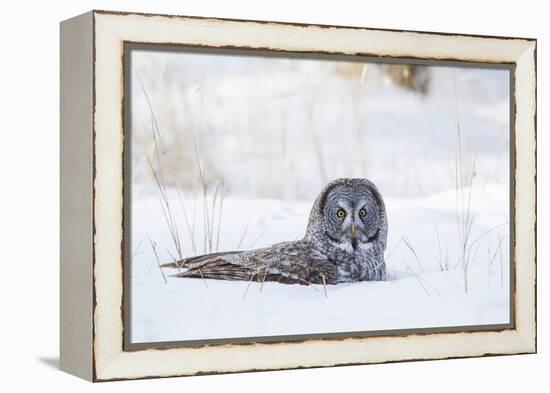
x=345, y=241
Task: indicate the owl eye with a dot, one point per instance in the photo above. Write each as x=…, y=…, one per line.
x=362, y=212
x=341, y=213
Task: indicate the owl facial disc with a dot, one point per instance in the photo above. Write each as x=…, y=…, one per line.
x=352, y=216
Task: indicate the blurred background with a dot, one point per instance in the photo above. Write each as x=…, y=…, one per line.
x=275, y=127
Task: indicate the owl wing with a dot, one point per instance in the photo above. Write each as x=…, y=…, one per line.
x=288, y=263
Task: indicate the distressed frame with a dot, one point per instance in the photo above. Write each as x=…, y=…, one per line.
x=92, y=194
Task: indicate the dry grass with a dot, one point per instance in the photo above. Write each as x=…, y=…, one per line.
x=248, y=285
x=491, y=260
x=239, y=245
x=442, y=262
x=154, y=247
x=464, y=214
x=407, y=243
x=212, y=201
x=424, y=283
x=212, y=198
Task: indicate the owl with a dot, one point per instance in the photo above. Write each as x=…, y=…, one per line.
x=344, y=241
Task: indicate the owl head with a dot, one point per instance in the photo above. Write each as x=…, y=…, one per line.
x=350, y=214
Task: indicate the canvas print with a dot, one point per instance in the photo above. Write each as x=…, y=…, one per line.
x=275, y=196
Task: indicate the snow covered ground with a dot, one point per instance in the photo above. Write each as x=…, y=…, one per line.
x=419, y=293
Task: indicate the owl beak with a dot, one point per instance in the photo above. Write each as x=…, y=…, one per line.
x=353, y=238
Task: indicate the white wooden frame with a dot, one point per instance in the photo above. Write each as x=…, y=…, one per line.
x=92, y=88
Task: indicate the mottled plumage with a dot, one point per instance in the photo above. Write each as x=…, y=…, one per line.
x=345, y=241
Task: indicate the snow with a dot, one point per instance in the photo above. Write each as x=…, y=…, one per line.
x=275, y=131
x=227, y=310
x=415, y=296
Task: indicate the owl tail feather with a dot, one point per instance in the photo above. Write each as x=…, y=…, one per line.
x=189, y=262
x=218, y=271
x=217, y=266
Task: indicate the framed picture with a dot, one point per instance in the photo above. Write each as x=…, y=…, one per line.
x=246, y=195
